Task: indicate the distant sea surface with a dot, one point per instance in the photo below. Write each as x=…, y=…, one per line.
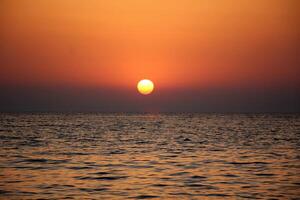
x=136, y=156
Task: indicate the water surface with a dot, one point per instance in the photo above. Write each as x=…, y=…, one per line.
x=120, y=156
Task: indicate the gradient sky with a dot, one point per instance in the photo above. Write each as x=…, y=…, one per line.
x=202, y=55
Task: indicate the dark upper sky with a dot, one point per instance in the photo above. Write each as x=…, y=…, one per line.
x=203, y=56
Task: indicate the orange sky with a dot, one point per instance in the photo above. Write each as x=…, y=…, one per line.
x=177, y=44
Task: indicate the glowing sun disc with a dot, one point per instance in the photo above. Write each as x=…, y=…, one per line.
x=145, y=86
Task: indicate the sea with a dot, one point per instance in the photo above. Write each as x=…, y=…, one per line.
x=149, y=156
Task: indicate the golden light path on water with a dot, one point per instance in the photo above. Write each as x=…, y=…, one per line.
x=120, y=156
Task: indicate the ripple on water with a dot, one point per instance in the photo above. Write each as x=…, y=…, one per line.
x=175, y=156
x=105, y=178
x=146, y=197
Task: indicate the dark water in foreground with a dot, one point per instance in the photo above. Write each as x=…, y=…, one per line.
x=94, y=156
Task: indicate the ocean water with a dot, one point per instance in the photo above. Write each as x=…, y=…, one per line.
x=135, y=156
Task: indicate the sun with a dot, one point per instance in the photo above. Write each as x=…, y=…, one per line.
x=145, y=86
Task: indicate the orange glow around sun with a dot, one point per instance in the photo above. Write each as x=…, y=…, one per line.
x=188, y=43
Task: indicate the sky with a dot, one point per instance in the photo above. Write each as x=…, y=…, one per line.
x=202, y=55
